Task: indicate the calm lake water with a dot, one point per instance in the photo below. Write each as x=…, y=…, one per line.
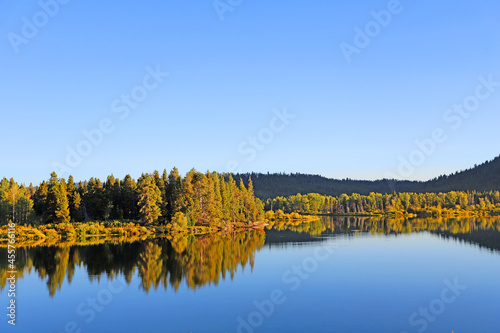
x=332, y=275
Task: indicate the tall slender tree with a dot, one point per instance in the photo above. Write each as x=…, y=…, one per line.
x=57, y=201
x=149, y=199
x=74, y=201
x=129, y=197
x=173, y=192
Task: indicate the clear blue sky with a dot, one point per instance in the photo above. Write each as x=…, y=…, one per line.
x=352, y=119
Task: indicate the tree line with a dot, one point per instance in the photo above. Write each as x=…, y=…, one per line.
x=208, y=199
x=423, y=204
x=483, y=177
x=196, y=199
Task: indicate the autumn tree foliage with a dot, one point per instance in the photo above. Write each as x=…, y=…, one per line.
x=150, y=199
x=57, y=206
x=195, y=199
x=422, y=204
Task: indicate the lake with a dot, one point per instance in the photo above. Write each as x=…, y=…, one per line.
x=331, y=275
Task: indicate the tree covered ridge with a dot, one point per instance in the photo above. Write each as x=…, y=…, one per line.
x=196, y=199
x=484, y=177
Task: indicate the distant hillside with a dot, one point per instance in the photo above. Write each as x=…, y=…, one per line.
x=482, y=177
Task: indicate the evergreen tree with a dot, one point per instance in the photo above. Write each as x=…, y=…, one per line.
x=173, y=193
x=114, y=196
x=149, y=199
x=129, y=198
x=57, y=201
x=95, y=201
x=162, y=184
x=40, y=199
x=74, y=201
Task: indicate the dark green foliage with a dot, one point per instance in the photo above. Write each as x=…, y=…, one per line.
x=173, y=191
x=95, y=201
x=129, y=198
x=40, y=199
x=74, y=201
x=484, y=177
x=57, y=201
x=113, y=195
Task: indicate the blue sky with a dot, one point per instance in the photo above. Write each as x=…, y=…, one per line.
x=228, y=78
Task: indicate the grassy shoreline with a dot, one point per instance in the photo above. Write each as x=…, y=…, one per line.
x=98, y=232
x=81, y=233
x=89, y=233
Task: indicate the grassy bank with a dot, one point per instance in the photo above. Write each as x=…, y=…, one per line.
x=99, y=232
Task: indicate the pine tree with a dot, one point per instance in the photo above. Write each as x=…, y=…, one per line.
x=57, y=201
x=129, y=198
x=243, y=204
x=232, y=204
x=95, y=200
x=74, y=201
x=173, y=193
x=225, y=200
x=116, y=200
x=40, y=199
x=162, y=183
x=149, y=199
x=188, y=198
x=216, y=202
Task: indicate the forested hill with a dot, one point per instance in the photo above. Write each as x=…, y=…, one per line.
x=482, y=177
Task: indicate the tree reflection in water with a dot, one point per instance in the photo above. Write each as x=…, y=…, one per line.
x=197, y=261
x=204, y=260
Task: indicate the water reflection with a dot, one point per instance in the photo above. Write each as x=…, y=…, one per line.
x=482, y=231
x=205, y=260
x=159, y=263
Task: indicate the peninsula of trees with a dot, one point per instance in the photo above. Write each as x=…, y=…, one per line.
x=196, y=199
